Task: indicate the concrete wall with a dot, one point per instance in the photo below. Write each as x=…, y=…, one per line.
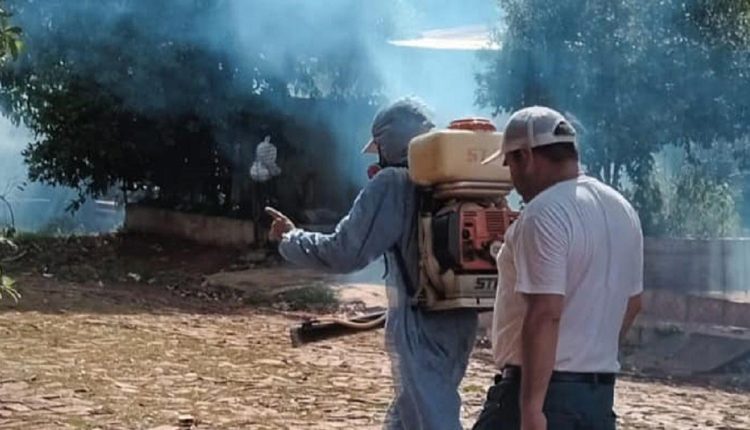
x=697, y=266
x=692, y=281
x=203, y=229
x=697, y=281
x=666, y=305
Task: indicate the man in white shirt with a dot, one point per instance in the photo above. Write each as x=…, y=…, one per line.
x=571, y=278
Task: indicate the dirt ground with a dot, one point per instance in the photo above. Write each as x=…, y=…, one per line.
x=150, y=340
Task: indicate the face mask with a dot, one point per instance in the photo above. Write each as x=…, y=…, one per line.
x=373, y=170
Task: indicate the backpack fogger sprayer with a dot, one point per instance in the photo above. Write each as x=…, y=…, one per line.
x=462, y=221
x=463, y=214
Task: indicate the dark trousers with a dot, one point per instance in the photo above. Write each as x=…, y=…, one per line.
x=568, y=406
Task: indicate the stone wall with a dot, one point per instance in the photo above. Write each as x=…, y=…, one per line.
x=199, y=228
x=666, y=305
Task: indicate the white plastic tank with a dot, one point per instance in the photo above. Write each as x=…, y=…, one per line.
x=455, y=154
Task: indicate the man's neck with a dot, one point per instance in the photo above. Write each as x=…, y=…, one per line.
x=566, y=172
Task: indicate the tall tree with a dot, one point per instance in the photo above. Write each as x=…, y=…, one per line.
x=635, y=74
x=146, y=94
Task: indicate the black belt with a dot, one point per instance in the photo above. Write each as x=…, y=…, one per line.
x=514, y=373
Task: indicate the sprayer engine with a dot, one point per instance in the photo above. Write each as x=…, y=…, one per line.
x=463, y=215
x=468, y=235
x=459, y=241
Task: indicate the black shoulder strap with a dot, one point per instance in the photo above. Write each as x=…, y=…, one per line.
x=401, y=265
x=403, y=268
x=404, y=271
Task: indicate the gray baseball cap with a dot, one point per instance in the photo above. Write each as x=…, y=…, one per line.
x=395, y=126
x=533, y=127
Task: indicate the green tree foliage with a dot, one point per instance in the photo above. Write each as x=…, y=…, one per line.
x=701, y=207
x=144, y=94
x=692, y=201
x=8, y=287
x=637, y=75
x=10, y=36
x=10, y=46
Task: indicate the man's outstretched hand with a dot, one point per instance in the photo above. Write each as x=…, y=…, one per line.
x=280, y=225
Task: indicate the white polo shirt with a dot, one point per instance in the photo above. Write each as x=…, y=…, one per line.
x=581, y=239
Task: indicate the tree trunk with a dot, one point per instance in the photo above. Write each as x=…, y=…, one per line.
x=616, y=175
x=124, y=190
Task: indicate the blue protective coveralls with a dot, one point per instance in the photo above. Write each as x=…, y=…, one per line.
x=429, y=350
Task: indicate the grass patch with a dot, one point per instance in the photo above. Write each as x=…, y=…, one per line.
x=317, y=296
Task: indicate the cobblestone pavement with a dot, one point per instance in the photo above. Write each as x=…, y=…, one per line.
x=123, y=366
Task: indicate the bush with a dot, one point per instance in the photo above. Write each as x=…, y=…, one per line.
x=8, y=287
x=689, y=202
x=7, y=284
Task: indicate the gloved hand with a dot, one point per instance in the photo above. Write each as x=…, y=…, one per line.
x=281, y=224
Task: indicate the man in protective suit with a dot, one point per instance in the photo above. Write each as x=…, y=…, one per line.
x=429, y=350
